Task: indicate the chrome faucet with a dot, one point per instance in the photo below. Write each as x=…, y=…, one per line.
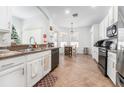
x=30, y=45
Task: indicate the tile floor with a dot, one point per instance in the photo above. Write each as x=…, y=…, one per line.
x=80, y=71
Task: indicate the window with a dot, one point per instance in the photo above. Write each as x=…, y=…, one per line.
x=63, y=44
x=76, y=44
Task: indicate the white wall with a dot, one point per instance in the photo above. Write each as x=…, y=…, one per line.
x=64, y=35
x=83, y=37
x=36, y=23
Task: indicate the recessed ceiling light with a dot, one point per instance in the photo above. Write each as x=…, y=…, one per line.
x=67, y=11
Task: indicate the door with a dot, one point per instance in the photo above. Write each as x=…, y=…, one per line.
x=47, y=64
x=115, y=8
x=106, y=25
x=13, y=77
x=101, y=33
x=111, y=70
x=111, y=16
x=34, y=71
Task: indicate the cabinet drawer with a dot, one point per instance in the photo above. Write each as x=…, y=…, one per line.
x=34, y=56
x=7, y=63
x=47, y=52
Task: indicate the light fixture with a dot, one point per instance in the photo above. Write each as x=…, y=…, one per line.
x=72, y=30
x=67, y=11
x=75, y=15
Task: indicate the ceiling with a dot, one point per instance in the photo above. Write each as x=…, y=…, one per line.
x=25, y=12
x=87, y=15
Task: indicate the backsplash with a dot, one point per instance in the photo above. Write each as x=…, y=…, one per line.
x=20, y=47
x=5, y=39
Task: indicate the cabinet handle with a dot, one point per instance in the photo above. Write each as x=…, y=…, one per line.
x=23, y=71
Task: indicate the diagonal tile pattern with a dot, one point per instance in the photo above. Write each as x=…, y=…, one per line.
x=80, y=71
x=47, y=81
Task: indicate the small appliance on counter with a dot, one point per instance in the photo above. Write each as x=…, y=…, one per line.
x=50, y=44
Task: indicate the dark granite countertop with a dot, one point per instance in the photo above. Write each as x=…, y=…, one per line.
x=12, y=54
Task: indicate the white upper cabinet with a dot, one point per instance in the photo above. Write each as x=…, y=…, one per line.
x=111, y=17
x=5, y=17
x=94, y=34
x=106, y=24
x=101, y=30
x=115, y=8
x=94, y=39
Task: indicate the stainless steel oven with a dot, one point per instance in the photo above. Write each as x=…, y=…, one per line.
x=102, y=64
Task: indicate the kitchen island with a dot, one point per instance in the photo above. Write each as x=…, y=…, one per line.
x=24, y=68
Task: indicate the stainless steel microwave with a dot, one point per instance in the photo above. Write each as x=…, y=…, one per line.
x=112, y=31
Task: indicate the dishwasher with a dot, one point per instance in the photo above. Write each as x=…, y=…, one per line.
x=12, y=75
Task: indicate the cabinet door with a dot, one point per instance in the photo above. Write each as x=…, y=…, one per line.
x=111, y=67
x=13, y=77
x=112, y=71
x=111, y=16
x=115, y=13
x=47, y=64
x=34, y=71
x=4, y=19
x=95, y=54
x=105, y=26
x=101, y=33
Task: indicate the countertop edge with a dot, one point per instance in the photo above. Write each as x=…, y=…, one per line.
x=27, y=53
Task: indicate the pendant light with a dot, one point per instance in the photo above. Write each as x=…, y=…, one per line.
x=72, y=30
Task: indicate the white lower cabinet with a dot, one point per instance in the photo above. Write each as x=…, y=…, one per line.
x=46, y=64
x=34, y=71
x=111, y=66
x=24, y=70
x=95, y=53
x=13, y=77
x=12, y=72
x=38, y=66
